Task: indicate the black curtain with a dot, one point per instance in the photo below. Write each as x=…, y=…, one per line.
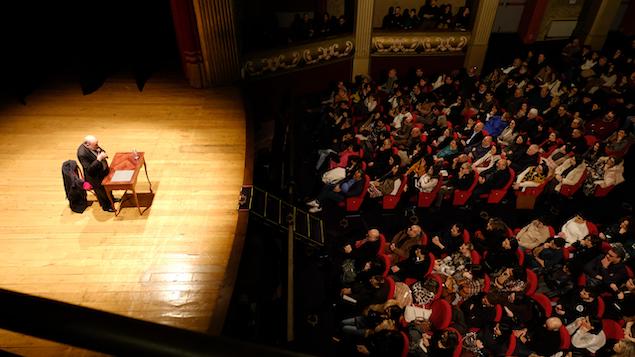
x=88, y=41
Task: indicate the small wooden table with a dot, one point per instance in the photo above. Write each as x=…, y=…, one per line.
x=126, y=161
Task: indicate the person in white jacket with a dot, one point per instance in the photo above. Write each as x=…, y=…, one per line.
x=586, y=334
x=574, y=230
x=428, y=181
x=569, y=172
x=608, y=171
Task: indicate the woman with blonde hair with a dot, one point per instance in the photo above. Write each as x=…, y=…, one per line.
x=624, y=348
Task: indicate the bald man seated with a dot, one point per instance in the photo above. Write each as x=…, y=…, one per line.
x=93, y=161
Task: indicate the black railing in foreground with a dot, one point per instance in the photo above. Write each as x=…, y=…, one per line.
x=113, y=334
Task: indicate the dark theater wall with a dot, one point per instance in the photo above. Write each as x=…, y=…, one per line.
x=267, y=94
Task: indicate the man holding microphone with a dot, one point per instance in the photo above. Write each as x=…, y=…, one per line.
x=93, y=160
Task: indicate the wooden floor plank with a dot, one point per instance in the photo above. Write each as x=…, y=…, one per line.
x=166, y=266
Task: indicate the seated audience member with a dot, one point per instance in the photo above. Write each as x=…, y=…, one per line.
x=386, y=185
x=493, y=234
x=404, y=136
x=602, y=127
x=447, y=242
x=461, y=181
x=608, y=171
x=449, y=152
x=363, y=250
x=417, y=331
x=559, y=280
x=415, y=267
x=493, y=178
x=607, y=271
x=465, y=285
x=376, y=316
x=353, y=270
x=532, y=176
x=351, y=150
x=455, y=264
x=618, y=143
x=549, y=255
x=575, y=229
x=399, y=247
x=402, y=117
x=545, y=340
x=529, y=126
x=381, y=164
x=478, y=310
x=457, y=162
x=495, y=338
x=624, y=348
x=444, y=139
x=337, y=174
x=587, y=336
x=368, y=292
x=558, y=156
x=446, y=18
x=620, y=232
x=577, y=143
x=533, y=234
x=495, y=124
x=622, y=305
x=509, y=280
x=477, y=150
x=594, y=153
x=473, y=345
x=462, y=19
x=508, y=136
x=577, y=303
x=487, y=160
x=443, y=343
x=503, y=254
x=517, y=148
x=475, y=136
x=346, y=188
x=428, y=181
x=569, y=172
x=531, y=157
x=424, y=291
x=550, y=144
x=584, y=251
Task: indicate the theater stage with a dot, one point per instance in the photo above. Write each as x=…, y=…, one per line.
x=166, y=266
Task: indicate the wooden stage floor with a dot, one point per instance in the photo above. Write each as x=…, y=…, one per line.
x=166, y=266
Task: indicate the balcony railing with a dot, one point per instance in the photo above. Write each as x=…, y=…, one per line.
x=433, y=43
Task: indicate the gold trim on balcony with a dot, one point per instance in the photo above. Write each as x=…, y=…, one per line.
x=309, y=54
x=419, y=44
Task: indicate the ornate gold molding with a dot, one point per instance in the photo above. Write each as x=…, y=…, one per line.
x=430, y=43
x=299, y=56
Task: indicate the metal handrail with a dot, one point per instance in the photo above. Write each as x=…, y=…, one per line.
x=308, y=237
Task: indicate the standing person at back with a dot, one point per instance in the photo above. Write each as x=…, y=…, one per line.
x=93, y=161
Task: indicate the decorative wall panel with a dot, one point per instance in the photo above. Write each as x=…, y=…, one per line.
x=298, y=57
x=431, y=43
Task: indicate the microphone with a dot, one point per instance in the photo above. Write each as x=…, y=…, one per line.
x=100, y=150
